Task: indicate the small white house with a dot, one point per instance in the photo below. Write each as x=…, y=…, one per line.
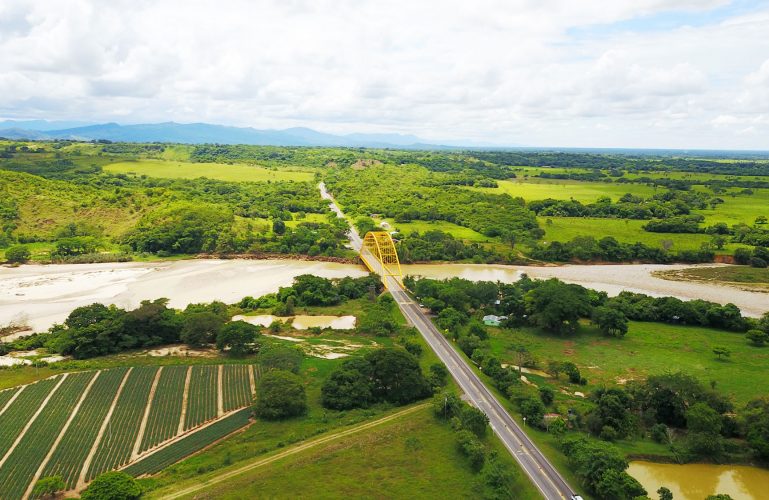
x=493, y=320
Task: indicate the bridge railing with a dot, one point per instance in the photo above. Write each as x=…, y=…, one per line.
x=380, y=256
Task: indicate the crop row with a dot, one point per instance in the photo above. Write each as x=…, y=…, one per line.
x=21, y=465
x=190, y=444
x=163, y=420
x=67, y=461
x=118, y=441
x=201, y=400
x=6, y=396
x=18, y=414
x=237, y=387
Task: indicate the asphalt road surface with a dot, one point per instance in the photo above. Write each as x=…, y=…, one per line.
x=539, y=469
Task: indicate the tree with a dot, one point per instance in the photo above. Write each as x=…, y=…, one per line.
x=349, y=386
x=396, y=376
x=556, y=306
x=761, y=219
x=153, y=323
x=180, y=228
x=610, y=321
x=721, y=352
x=278, y=226
x=200, y=328
x=533, y=410
x=93, y=330
x=702, y=418
x=473, y=420
x=664, y=493
x=438, y=374
x=472, y=448
x=757, y=337
x=114, y=485
x=238, y=337
x=718, y=242
x=756, y=420
x=49, y=486
x=280, y=395
x=18, y=254
x=278, y=357
x=547, y=395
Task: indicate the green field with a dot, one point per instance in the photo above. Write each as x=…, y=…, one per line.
x=539, y=189
x=623, y=230
x=220, y=171
x=409, y=457
x=37, y=418
x=739, y=209
x=647, y=349
x=459, y=232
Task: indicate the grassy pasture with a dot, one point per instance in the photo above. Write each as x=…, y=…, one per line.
x=459, y=232
x=587, y=192
x=220, y=171
x=409, y=457
x=624, y=230
x=647, y=349
x=739, y=209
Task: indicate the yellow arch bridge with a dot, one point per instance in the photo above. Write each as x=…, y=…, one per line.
x=379, y=254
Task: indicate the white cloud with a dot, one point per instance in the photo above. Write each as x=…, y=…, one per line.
x=491, y=70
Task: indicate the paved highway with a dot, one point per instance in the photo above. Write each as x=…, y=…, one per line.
x=539, y=469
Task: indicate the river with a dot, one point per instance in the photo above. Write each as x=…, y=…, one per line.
x=42, y=295
x=697, y=481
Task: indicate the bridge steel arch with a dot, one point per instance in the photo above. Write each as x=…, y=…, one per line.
x=379, y=255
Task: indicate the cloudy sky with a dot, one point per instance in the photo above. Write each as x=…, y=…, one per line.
x=584, y=73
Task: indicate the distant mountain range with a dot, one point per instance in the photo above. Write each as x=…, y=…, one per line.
x=197, y=133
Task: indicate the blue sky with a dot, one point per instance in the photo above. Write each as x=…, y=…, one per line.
x=667, y=20
x=587, y=73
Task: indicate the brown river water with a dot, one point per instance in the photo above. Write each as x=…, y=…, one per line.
x=42, y=295
x=698, y=481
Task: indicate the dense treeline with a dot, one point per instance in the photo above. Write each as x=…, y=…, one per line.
x=662, y=205
x=608, y=249
x=556, y=306
x=627, y=162
x=437, y=245
x=402, y=195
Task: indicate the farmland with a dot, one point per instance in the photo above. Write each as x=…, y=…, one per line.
x=623, y=230
x=647, y=349
x=84, y=202
x=539, y=189
x=80, y=424
x=218, y=171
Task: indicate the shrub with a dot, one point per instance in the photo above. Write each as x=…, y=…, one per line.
x=18, y=254
x=547, y=395
x=659, y=433
x=113, y=485
x=280, y=395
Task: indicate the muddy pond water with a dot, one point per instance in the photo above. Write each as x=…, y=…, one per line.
x=698, y=481
x=302, y=322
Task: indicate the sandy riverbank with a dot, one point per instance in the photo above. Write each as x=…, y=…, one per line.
x=43, y=295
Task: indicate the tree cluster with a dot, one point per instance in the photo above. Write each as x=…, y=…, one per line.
x=388, y=375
